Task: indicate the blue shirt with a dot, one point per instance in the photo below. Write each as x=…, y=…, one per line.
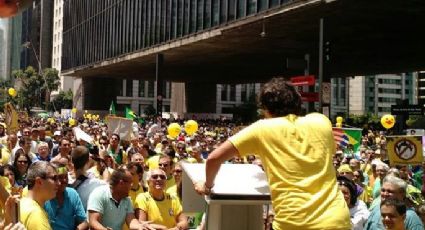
x=113, y=213
x=374, y=222
x=67, y=216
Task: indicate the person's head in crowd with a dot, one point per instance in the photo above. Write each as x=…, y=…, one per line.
x=250, y=159
x=420, y=210
x=22, y=162
x=279, y=98
x=67, y=132
x=181, y=148
x=156, y=180
x=103, y=142
x=57, y=135
x=393, y=188
x=34, y=134
x=138, y=158
x=107, y=159
x=381, y=170
x=80, y=158
x=354, y=164
x=169, y=151
x=25, y=143
x=258, y=162
x=237, y=160
x=346, y=171
x=26, y=132
x=348, y=189
x=336, y=162
x=177, y=172
x=9, y=172
x=404, y=172
x=136, y=171
x=393, y=214
x=42, y=180
x=65, y=146
x=43, y=151
x=42, y=133
x=114, y=141
x=195, y=152
x=120, y=182
x=165, y=163
x=62, y=172
x=66, y=161
x=12, y=140
x=2, y=129
x=393, y=172
x=358, y=177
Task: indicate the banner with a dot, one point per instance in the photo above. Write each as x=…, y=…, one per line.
x=405, y=150
x=11, y=118
x=346, y=136
x=121, y=126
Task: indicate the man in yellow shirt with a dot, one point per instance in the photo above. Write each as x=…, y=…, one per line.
x=43, y=183
x=159, y=207
x=296, y=152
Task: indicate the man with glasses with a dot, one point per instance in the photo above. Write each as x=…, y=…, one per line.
x=392, y=188
x=43, y=184
x=109, y=207
x=66, y=210
x=161, y=208
x=166, y=164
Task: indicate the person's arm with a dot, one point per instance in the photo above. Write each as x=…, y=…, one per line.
x=94, y=221
x=181, y=220
x=83, y=226
x=215, y=159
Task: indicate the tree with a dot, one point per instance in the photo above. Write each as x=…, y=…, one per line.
x=34, y=88
x=62, y=101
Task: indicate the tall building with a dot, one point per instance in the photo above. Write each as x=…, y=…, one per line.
x=421, y=88
x=4, y=49
x=372, y=94
x=66, y=82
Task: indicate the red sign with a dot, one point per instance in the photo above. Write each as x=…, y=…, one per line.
x=303, y=80
x=309, y=97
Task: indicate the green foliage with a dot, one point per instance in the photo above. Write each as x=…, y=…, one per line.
x=361, y=120
x=34, y=88
x=62, y=101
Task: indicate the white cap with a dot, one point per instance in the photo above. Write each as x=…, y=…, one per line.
x=57, y=133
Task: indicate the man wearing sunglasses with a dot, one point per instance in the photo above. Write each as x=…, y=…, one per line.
x=43, y=184
x=161, y=208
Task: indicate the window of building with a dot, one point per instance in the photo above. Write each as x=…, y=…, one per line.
x=129, y=88
x=224, y=92
x=232, y=92
x=151, y=89
x=244, y=96
x=142, y=92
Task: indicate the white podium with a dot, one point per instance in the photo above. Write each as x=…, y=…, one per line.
x=236, y=201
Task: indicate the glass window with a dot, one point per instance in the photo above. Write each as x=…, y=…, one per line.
x=232, y=92
x=129, y=88
x=151, y=88
x=224, y=93
x=142, y=92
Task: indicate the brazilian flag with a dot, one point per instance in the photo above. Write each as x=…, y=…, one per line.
x=129, y=113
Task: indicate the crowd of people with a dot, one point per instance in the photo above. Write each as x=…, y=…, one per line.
x=61, y=181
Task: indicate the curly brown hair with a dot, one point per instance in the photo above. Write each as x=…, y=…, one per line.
x=280, y=98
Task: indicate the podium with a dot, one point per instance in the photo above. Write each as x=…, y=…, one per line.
x=236, y=200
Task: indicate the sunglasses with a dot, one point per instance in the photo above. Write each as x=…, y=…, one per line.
x=158, y=176
x=178, y=171
x=163, y=165
x=23, y=162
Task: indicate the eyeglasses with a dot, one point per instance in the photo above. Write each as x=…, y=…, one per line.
x=22, y=162
x=178, y=171
x=164, y=164
x=158, y=176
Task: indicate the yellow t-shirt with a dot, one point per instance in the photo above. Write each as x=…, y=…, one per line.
x=32, y=216
x=162, y=212
x=297, y=157
x=5, y=156
x=171, y=187
x=133, y=194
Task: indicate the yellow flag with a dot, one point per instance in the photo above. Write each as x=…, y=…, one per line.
x=404, y=150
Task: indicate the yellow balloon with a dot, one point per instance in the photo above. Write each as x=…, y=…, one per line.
x=191, y=127
x=89, y=116
x=12, y=92
x=74, y=110
x=339, y=119
x=339, y=125
x=388, y=121
x=72, y=122
x=174, y=130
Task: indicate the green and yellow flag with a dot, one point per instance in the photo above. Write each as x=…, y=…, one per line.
x=129, y=113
